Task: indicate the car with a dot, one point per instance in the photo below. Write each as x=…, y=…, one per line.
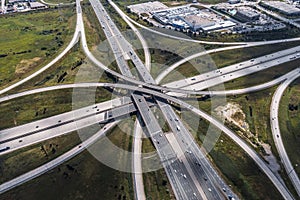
x=230, y=197
x=178, y=128
x=209, y=189
x=224, y=190
x=4, y=149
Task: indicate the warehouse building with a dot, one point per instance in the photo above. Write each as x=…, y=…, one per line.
x=197, y=22
x=281, y=7
x=37, y=5
x=245, y=15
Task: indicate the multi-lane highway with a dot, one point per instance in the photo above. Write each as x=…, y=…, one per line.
x=225, y=74
x=34, y=132
x=122, y=49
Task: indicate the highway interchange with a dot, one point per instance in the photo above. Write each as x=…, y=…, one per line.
x=184, y=173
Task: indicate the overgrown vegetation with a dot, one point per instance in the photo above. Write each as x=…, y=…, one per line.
x=30, y=40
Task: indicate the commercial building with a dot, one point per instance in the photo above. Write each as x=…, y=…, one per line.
x=37, y=5
x=15, y=1
x=187, y=17
x=234, y=1
x=147, y=7
x=281, y=7
x=197, y=22
x=245, y=15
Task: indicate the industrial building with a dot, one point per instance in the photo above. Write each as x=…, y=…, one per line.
x=245, y=15
x=197, y=22
x=37, y=5
x=281, y=7
x=187, y=17
x=147, y=7
x=234, y=1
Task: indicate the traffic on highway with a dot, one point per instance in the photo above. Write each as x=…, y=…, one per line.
x=191, y=172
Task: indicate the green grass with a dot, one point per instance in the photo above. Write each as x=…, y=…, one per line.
x=74, y=67
x=94, y=33
x=82, y=177
x=241, y=171
x=30, y=40
x=289, y=123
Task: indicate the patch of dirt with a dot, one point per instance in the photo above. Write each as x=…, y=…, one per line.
x=25, y=65
x=233, y=113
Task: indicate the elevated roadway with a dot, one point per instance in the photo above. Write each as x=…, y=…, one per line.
x=25, y=135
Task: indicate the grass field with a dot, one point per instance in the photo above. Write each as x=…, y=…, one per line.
x=82, y=177
x=74, y=67
x=241, y=171
x=30, y=40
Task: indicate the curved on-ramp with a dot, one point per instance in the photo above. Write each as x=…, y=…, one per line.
x=277, y=135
